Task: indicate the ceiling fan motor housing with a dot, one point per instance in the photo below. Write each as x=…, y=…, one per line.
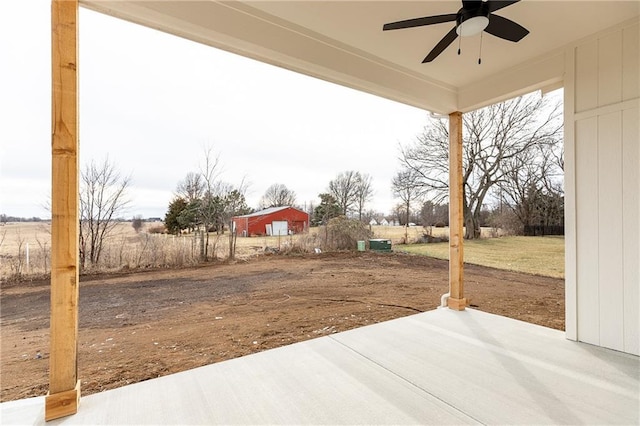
x=472, y=21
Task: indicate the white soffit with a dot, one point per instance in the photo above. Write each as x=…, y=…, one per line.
x=343, y=42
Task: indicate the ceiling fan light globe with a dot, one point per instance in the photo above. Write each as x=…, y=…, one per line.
x=472, y=26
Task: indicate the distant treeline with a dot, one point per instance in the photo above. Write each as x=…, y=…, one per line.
x=4, y=219
x=542, y=230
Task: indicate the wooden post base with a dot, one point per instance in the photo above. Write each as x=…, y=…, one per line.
x=62, y=404
x=456, y=304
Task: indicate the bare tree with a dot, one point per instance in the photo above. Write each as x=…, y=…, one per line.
x=432, y=214
x=102, y=200
x=492, y=138
x=277, y=195
x=351, y=190
x=234, y=204
x=191, y=188
x=16, y=263
x=532, y=187
x=45, y=251
x=363, y=193
x=343, y=190
x=407, y=186
x=209, y=205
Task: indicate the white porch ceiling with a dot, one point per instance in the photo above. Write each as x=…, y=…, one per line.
x=343, y=42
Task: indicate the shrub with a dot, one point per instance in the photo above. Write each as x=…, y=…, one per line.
x=157, y=229
x=428, y=239
x=137, y=223
x=343, y=234
x=507, y=222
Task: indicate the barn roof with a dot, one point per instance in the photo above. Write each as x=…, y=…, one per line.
x=269, y=211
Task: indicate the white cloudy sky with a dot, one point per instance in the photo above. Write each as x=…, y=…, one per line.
x=152, y=102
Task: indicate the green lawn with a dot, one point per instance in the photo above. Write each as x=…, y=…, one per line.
x=533, y=255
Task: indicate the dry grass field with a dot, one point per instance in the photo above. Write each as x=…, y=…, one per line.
x=25, y=247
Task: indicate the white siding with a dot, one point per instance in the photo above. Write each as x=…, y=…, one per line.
x=609, y=203
x=586, y=79
x=587, y=225
x=610, y=69
x=603, y=112
x=631, y=226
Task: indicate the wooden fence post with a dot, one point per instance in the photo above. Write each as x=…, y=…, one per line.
x=64, y=386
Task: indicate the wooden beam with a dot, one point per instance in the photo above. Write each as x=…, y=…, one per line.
x=64, y=387
x=456, y=215
x=62, y=403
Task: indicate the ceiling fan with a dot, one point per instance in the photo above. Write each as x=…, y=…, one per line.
x=474, y=17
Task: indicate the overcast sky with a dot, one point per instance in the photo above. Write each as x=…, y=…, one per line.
x=153, y=102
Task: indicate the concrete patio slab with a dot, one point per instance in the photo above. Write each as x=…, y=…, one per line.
x=438, y=367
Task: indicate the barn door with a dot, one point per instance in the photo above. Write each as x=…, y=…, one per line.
x=280, y=227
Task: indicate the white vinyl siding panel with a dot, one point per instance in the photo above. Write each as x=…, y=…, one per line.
x=605, y=118
x=610, y=69
x=587, y=235
x=610, y=277
x=586, y=77
x=631, y=226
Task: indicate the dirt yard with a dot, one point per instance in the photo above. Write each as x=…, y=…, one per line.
x=138, y=326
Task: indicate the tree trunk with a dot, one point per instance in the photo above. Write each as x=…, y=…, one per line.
x=202, y=247
x=471, y=226
x=468, y=227
x=232, y=241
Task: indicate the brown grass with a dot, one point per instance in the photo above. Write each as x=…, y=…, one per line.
x=126, y=249
x=531, y=255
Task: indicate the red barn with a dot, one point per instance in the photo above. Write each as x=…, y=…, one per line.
x=272, y=221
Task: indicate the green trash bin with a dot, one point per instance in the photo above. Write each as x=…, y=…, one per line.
x=361, y=246
x=380, y=244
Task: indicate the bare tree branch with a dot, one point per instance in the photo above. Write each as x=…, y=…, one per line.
x=351, y=191
x=102, y=200
x=277, y=195
x=496, y=140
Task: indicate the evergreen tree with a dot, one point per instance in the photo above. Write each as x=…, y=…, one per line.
x=171, y=218
x=327, y=209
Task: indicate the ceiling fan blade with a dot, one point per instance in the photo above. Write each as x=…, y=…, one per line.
x=471, y=4
x=499, y=4
x=418, y=22
x=442, y=44
x=505, y=28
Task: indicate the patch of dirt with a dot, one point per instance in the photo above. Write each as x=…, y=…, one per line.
x=138, y=326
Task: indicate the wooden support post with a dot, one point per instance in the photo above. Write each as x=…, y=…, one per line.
x=64, y=387
x=456, y=215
